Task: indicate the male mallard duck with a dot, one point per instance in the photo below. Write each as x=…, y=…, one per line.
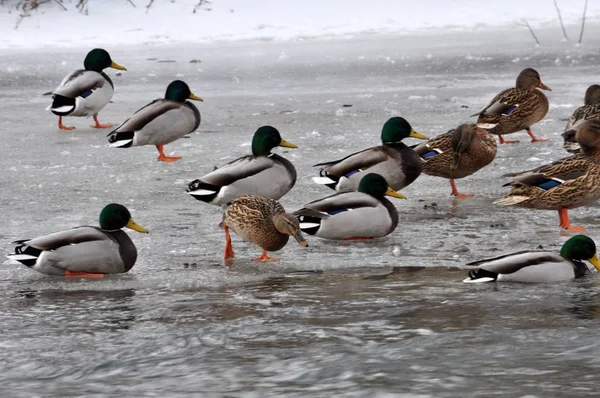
x=393, y=160
x=458, y=153
x=85, y=251
x=590, y=110
x=565, y=184
x=262, y=173
x=365, y=214
x=160, y=122
x=86, y=91
x=517, y=108
x=538, y=265
x=260, y=220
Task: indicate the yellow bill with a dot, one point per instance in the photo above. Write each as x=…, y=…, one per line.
x=286, y=144
x=195, y=97
x=595, y=261
x=132, y=225
x=117, y=66
x=394, y=194
x=414, y=134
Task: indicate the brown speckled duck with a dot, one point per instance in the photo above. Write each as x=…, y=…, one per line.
x=590, y=110
x=517, y=108
x=565, y=184
x=260, y=220
x=458, y=153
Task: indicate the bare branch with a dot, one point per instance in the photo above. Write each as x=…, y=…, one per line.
x=149, y=5
x=200, y=4
x=526, y=24
x=131, y=2
x=562, y=25
x=582, y=22
x=59, y=2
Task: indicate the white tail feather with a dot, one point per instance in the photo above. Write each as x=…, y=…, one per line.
x=479, y=280
x=307, y=225
x=201, y=192
x=121, y=143
x=22, y=257
x=487, y=126
x=323, y=180
x=511, y=200
x=66, y=108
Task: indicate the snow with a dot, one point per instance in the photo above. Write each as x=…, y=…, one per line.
x=119, y=23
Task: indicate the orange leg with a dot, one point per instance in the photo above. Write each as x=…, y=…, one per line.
x=565, y=223
x=264, y=257
x=163, y=158
x=357, y=238
x=503, y=141
x=228, y=255
x=86, y=274
x=534, y=138
x=99, y=125
x=62, y=126
x=455, y=191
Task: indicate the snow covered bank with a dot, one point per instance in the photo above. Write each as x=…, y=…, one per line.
x=119, y=23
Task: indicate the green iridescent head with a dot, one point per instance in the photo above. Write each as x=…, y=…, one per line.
x=179, y=91
x=377, y=186
x=115, y=216
x=99, y=59
x=396, y=129
x=580, y=247
x=265, y=139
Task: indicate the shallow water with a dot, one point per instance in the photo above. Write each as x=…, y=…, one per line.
x=329, y=320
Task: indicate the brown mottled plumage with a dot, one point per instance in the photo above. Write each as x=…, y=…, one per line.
x=517, y=108
x=260, y=220
x=565, y=184
x=590, y=110
x=458, y=153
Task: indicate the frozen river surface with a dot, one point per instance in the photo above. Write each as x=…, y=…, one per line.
x=334, y=319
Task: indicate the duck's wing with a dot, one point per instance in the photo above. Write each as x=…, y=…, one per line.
x=238, y=169
x=553, y=174
x=147, y=114
x=80, y=83
x=68, y=237
x=582, y=114
x=337, y=203
x=507, y=102
x=355, y=162
x=436, y=145
x=523, y=266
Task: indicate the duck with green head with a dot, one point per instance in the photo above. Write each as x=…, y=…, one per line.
x=160, y=122
x=363, y=214
x=393, y=160
x=84, y=251
x=457, y=154
x=262, y=173
x=85, y=92
x=538, y=265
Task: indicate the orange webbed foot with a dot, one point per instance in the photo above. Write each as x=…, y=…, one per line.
x=265, y=258
x=462, y=195
x=99, y=125
x=84, y=274
x=168, y=158
x=62, y=126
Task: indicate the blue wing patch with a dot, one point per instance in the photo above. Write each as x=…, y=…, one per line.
x=550, y=184
x=510, y=110
x=334, y=212
x=431, y=154
x=352, y=172
x=86, y=93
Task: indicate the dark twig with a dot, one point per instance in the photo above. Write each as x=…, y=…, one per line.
x=526, y=24
x=149, y=5
x=562, y=25
x=131, y=2
x=59, y=2
x=582, y=22
x=200, y=4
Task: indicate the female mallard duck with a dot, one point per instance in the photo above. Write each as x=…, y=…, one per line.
x=365, y=214
x=86, y=91
x=538, y=265
x=262, y=173
x=260, y=220
x=565, y=184
x=590, y=110
x=84, y=251
x=517, y=108
x=457, y=154
x=393, y=160
x=160, y=122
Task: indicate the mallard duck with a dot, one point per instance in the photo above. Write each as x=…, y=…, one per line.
x=458, y=153
x=590, y=110
x=85, y=92
x=160, y=122
x=262, y=221
x=262, y=173
x=365, y=214
x=538, y=265
x=393, y=160
x=517, y=108
x=84, y=251
x=565, y=184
